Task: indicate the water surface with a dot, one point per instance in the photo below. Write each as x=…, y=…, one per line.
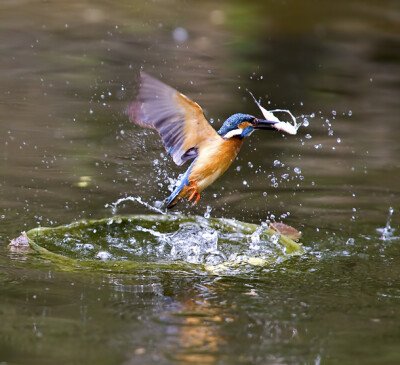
x=68, y=151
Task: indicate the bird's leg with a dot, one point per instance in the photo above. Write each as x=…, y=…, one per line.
x=197, y=199
x=193, y=186
x=195, y=193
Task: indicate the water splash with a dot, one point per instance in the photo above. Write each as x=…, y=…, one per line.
x=387, y=233
x=165, y=241
x=208, y=211
x=194, y=245
x=255, y=237
x=136, y=199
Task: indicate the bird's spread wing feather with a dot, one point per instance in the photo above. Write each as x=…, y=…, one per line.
x=179, y=121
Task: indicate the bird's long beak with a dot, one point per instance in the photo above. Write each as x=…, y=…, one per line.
x=264, y=124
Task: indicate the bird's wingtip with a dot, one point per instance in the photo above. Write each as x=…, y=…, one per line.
x=170, y=203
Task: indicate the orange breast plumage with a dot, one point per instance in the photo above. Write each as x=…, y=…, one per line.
x=212, y=162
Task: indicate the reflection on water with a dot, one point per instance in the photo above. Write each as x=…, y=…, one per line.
x=68, y=70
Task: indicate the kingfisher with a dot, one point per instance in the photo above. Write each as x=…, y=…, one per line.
x=187, y=135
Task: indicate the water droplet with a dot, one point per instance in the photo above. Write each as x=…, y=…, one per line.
x=207, y=214
x=180, y=35
x=297, y=170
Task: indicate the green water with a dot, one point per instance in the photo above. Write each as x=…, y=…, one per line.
x=68, y=152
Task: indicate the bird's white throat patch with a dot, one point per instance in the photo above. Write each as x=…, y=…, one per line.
x=236, y=132
x=233, y=133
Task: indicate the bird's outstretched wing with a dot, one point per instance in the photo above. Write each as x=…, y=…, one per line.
x=179, y=121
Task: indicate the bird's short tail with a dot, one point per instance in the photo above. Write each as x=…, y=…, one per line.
x=173, y=199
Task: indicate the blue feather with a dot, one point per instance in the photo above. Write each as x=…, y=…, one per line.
x=184, y=181
x=232, y=123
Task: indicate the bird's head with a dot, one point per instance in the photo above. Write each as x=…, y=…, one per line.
x=242, y=125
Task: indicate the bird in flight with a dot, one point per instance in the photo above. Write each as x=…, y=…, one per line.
x=187, y=135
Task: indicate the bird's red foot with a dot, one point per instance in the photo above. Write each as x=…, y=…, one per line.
x=195, y=193
x=197, y=199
